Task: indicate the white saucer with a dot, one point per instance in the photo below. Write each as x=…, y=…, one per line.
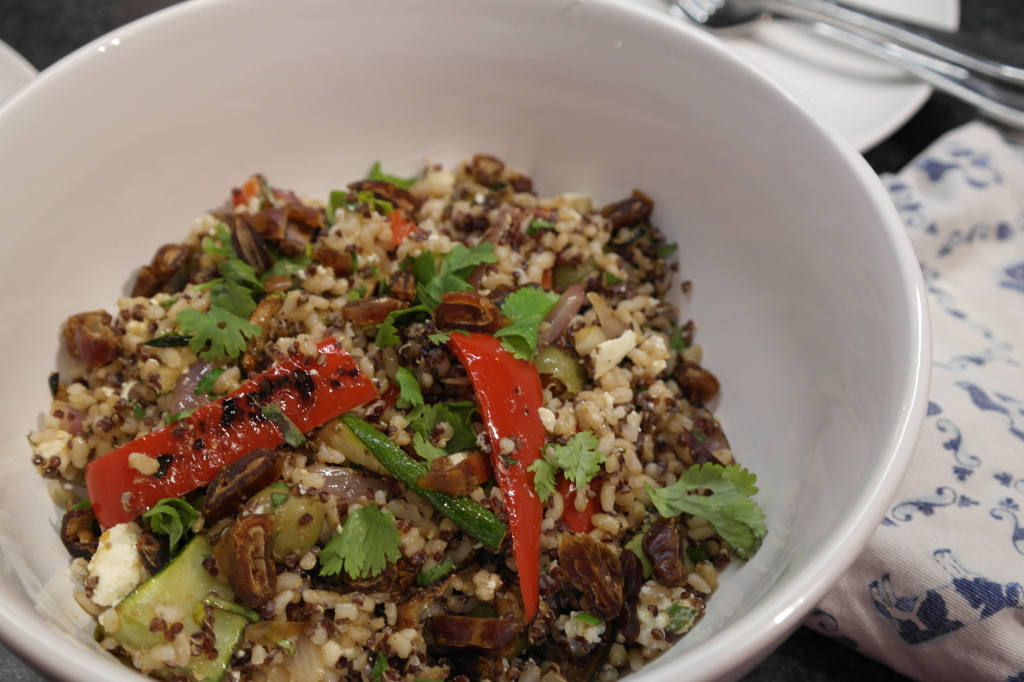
x=865, y=98
x=15, y=70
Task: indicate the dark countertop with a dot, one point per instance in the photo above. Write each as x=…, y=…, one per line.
x=43, y=31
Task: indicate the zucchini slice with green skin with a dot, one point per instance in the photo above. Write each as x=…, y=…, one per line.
x=185, y=583
x=464, y=512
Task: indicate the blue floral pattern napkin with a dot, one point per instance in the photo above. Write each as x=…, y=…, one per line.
x=937, y=593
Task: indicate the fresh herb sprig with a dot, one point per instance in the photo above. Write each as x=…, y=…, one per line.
x=366, y=544
x=172, y=517
x=434, y=277
x=579, y=459
x=730, y=507
x=525, y=308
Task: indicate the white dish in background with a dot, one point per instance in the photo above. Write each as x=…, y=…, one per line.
x=808, y=297
x=865, y=98
x=15, y=70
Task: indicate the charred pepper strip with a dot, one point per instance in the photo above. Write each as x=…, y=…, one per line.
x=464, y=512
x=309, y=391
x=510, y=397
x=579, y=521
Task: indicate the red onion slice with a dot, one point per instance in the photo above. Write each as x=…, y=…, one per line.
x=72, y=421
x=561, y=315
x=610, y=325
x=346, y=484
x=184, y=396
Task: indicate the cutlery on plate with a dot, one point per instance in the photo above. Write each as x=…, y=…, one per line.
x=985, y=83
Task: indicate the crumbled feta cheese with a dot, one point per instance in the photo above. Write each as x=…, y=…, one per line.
x=116, y=565
x=609, y=354
x=651, y=355
x=484, y=584
x=547, y=418
x=55, y=446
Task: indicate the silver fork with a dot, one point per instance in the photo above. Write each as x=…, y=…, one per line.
x=986, y=84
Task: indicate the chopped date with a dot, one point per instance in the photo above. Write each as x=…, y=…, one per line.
x=92, y=339
x=661, y=545
x=594, y=570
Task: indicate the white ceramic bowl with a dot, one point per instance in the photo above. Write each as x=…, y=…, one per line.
x=806, y=293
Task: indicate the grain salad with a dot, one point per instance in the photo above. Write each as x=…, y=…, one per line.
x=434, y=428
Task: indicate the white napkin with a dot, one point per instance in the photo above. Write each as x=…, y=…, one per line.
x=937, y=593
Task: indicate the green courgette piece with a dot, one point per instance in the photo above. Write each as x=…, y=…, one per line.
x=467, y=514
x=568, y=369
x=565, y=275
x=185, y=583
x=291, y=535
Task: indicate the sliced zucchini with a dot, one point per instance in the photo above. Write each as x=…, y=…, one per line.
x=185, y=582
x=337, y=436
x=298, y=520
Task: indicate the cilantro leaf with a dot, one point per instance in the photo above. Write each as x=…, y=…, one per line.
x=239, y=272
x=365, y=545
x=444, y=337
x=430, y=294
x=170, y=418
x=676, y=341
x=538, y=224
x=288, y=265
x=289, y=431
x=401, y=183
x=588, y=619
x=636, y=546
x=526, y=308
x=729, y=508
x=335, y=201
x=205, y=385
x=665, y=249
x=425, y=449
x=410, y=394
x=423, y=267
x=223, y=330
x=543, y=478
x=698, y=553
x=436, y=573
x=578, y=458
x=461, y=260
x=373, y=203
x=433, y=280
x=611, y=280
x=219, y=245
x=171, y=517
x=387, y=332
x=232, y=297
x=380, y=666
x=459, y=416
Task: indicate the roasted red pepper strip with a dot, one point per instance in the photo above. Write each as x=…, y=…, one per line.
x=579, y=521
x=192, y=450
x=401, y=226
x=509, y=394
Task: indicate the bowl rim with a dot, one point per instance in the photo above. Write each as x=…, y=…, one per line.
x=748, y=638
